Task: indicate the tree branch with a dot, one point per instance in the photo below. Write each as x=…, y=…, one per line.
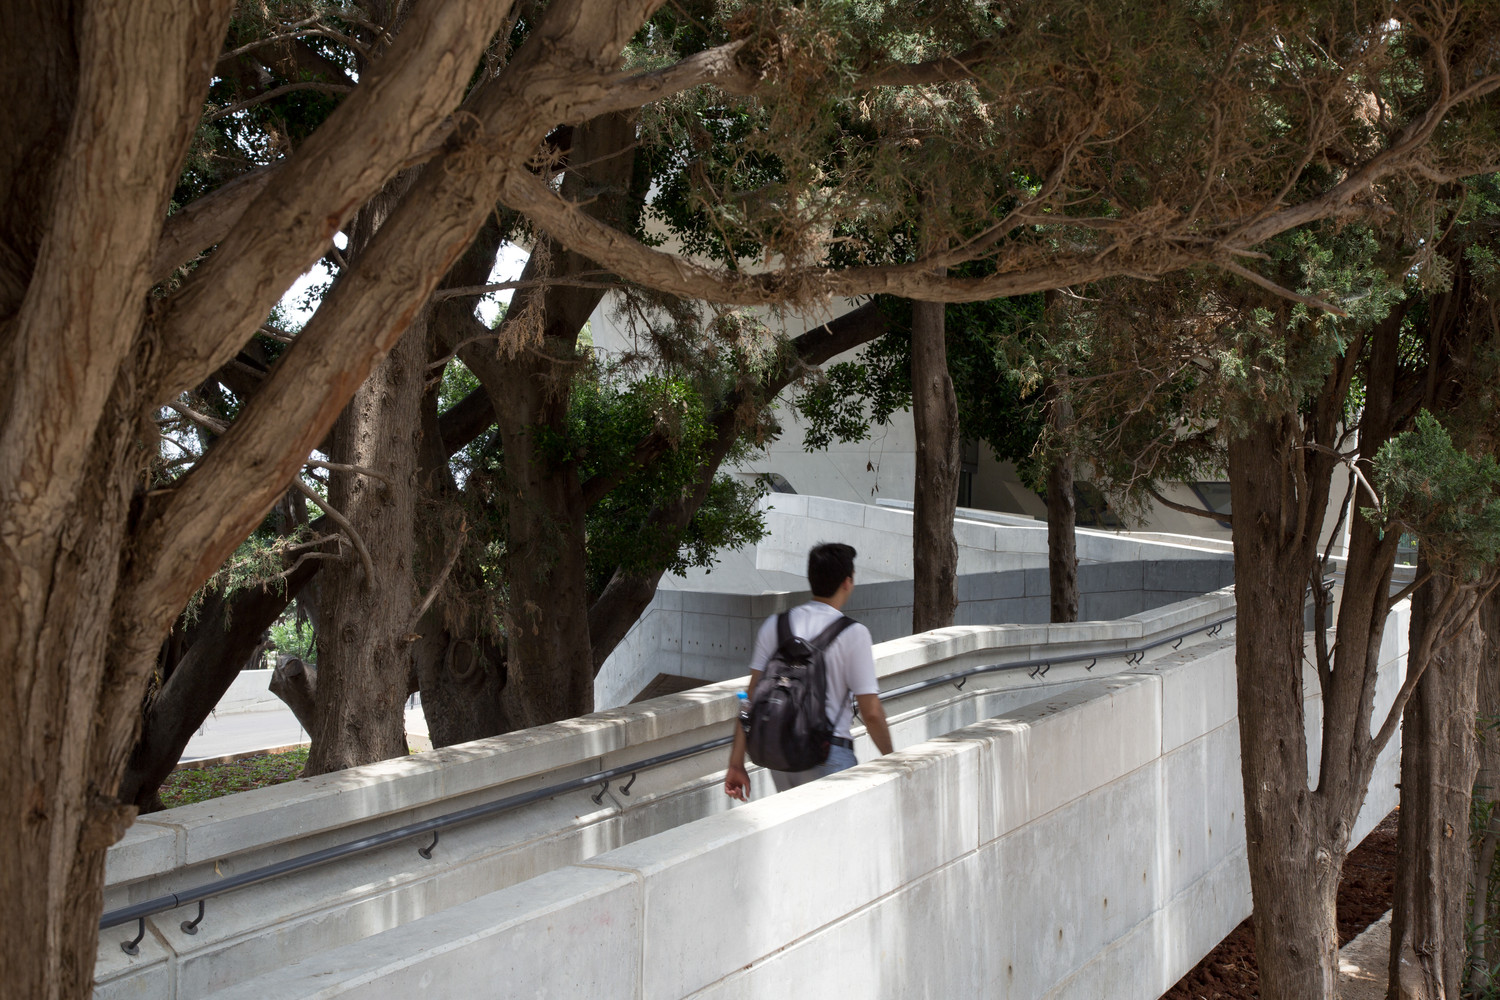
x=343, y=522
x=400, y=106
x=442, y=578
x=1407, y=591
x=1185, y=509
x=183, y=534
x=274, y=92
x=465, y=420
x=718, y=66
x=572, y=281
x=358, y=470
x=1423, y=656
x=1278, y=290
x=293, y=30
x=204, y=221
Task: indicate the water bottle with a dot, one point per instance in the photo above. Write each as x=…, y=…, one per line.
x=745, y=712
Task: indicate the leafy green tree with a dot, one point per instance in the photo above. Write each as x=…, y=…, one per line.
x=1133, y=140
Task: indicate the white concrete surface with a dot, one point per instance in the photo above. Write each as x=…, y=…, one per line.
x=708, y=634
x=278, y=923
x=1086, y=834
x=1086, y=845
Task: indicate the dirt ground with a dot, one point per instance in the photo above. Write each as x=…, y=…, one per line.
x=1228, y=972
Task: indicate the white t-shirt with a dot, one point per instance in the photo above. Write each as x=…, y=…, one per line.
x=850, y=660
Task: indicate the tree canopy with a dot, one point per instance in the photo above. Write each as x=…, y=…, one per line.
x=1075, y=140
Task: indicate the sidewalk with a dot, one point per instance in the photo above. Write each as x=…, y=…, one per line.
x=248, y=725
x=1363, y=962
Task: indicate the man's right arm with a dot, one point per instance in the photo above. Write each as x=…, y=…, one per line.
x=872, y=714
x=736, y=778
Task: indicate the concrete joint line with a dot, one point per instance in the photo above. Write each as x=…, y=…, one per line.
x=640, y=895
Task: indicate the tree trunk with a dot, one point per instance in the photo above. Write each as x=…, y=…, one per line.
x=228, y=631
x=462, y=680
x=1294, y=864
x=87, y=168
x=1439, y=762
x=59, y=578
x=934, y=410
x=295, y=682
x=1485, y=949
x=364, y=655
x=549, y=671
x=548, y=659
x=1062, y=540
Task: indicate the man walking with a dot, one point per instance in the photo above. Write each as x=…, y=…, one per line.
x=850, y=669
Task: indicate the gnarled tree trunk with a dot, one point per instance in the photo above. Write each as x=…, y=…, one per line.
x=1294, y=865
x=86, y=170
x=1439, y=762
x=364, y=653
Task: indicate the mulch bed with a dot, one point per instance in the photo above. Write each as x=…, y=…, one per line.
x=1229, y=973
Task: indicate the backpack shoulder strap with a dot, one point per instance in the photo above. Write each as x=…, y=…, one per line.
x=783, y=629
x=825, y=638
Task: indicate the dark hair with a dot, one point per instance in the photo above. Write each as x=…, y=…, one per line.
x=828, y=566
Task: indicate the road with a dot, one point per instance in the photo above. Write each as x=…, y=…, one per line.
x=267, y=724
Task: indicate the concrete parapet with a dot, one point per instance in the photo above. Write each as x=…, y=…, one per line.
x=1035, y=836
x=1086, y=843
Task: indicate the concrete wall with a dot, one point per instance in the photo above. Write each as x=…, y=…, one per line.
x=1003, y=580
x=1090, y=844
x=262, y=928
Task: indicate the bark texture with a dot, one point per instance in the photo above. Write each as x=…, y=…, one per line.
x=1483, y=917
x=364, y=653
x=934, y=410
x=1062, y=517
x=1439, y=762
x=72, y=437
x=1294, y=864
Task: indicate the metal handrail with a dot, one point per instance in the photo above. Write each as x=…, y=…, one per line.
x=199, y=893
x=1041, y=665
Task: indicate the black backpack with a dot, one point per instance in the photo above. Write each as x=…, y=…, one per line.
x=788, y=727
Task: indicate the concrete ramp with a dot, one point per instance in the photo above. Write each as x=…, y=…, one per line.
x=1039, y=833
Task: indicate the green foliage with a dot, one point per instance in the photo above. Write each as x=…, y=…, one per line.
x=1448, y=498
x=991, y=357
x=607, y=418
x=852, y=396
x=271, y=96
x=293, y=635
x=258, y=561
x=190, y=785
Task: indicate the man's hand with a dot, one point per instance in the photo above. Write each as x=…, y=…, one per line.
x=737, y=783
x=872, y=714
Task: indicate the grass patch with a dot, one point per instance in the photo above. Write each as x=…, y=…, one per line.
x=200, y=784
